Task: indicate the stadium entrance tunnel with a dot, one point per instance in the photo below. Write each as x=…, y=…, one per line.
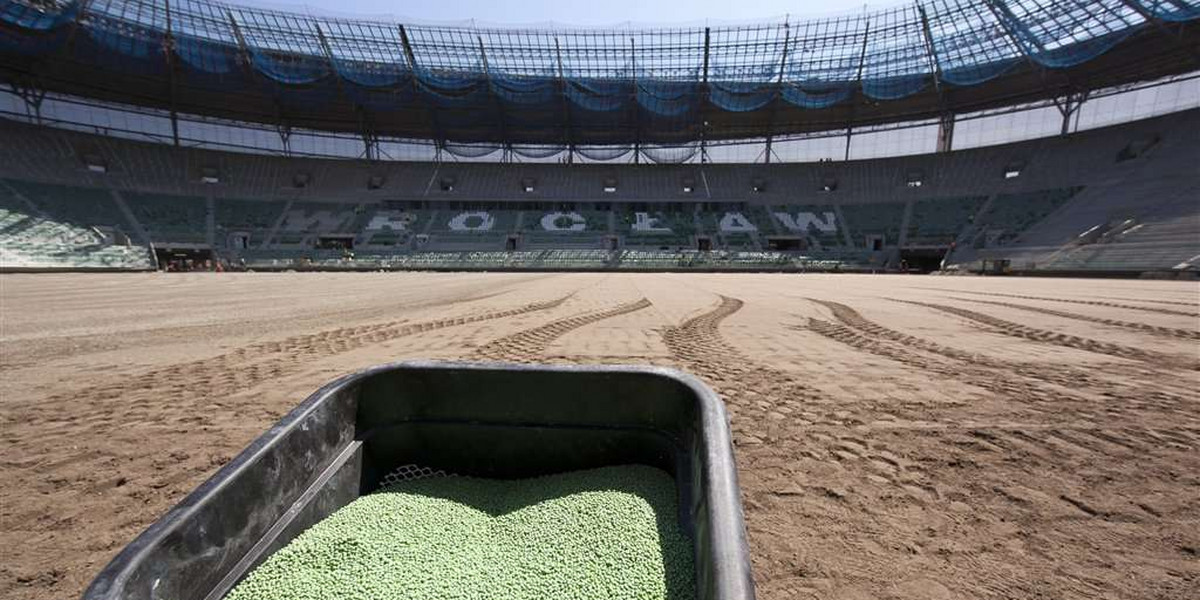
x=185, y=259
x=336, y=242
x=787, y=244
x=921, y=260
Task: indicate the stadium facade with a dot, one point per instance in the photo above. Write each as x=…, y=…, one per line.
x=600, y=148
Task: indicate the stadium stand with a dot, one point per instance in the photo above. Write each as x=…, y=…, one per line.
x=1078, y=204
x=939, y=221
x=170, y=219
x=32, y=239
x=471, y=229
x=874, y=226
x=669, y=227
x=817, y=222
x=242, y=224
x=564, y=227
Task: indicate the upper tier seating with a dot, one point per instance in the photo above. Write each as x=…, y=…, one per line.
x=167, y=218
x=874, y=220
x=255, y=218
x=939, y=221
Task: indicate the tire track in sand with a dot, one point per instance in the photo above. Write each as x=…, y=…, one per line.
x=530, y=344
x=252, y=365
x=109, y=422
x=1172, y=332
x=1022, y=466
x=996, y=375
x=1009, y=328
x=771, y=412
x=1164, y=311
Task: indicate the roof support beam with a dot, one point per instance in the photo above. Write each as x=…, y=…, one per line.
x=1012, y=25
x=76, y=25
x=637, y=107
x=282, y=127
x=243, y=48
x=169, y=52
x=439, y=138
x=562, y=83
x=862, y=62
x=496, y=100
x=1009, y=23
x=945, y=139
x=787, y=37
x=365, y=131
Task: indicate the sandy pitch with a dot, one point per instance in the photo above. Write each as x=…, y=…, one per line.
x=897, y=437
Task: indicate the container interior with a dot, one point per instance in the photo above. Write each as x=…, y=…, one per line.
x=504, y=423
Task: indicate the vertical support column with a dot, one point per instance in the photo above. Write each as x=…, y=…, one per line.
x=787, y=37
x=285, y=137
x=704, y=88
x=945, y=140
x=637, y=114
x=32, y=96
x=1069, y=106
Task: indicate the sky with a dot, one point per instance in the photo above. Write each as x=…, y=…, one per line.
x=574, y=12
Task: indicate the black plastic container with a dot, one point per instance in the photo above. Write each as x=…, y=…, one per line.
x=500, y=421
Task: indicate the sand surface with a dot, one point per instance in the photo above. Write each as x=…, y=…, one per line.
x=897, y=436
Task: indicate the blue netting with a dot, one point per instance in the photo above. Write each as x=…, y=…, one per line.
x=816, y=94
x=896, y=61
x=611, y=86
x=451, y=84
x=1078, y=53
x=1173, y=10
x=37, y=16
x=129, y=40
x=525, y=91
x=741, y=97
x=1066, y=35
x=968, y=75
x=206, y=56
x=290, y=69
x=667, y=98
x=970, y=43
x=896, y=87
x=372, y=74
x=599, y=95
x=472, y=97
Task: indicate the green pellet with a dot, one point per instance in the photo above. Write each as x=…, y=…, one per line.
x=609, y=533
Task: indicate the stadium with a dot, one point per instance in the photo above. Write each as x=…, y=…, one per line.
x=938, y=259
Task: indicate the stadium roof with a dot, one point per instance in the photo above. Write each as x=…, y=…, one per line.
x=589, y=86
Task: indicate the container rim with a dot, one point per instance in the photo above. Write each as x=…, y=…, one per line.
x=721, y=473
